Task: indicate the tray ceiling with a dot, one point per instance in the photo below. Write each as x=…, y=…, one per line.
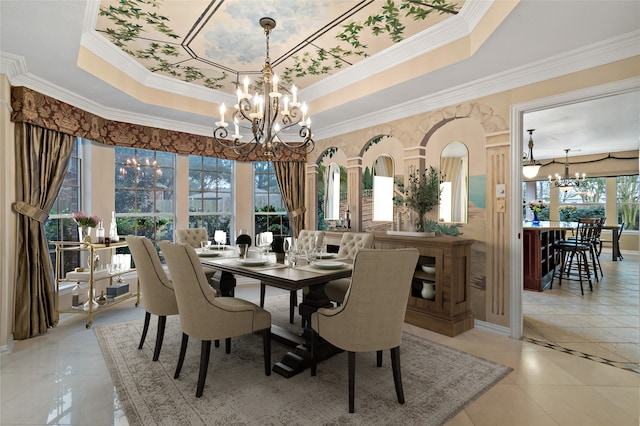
x=216, y=43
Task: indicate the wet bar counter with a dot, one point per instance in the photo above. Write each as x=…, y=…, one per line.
x=540, y=258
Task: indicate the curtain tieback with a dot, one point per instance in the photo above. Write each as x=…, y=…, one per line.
x=30, y=211
x=298, y=212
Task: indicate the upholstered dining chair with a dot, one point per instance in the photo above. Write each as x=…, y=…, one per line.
x=207, y=317
x=306, y=241
x=350, y=244
x=223, y=282
x=372, y=314
x=158, y=297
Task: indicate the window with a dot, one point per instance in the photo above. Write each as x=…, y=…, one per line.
x=540, y=190
x=60, y=225
x=211, y=193
x=383, y=172
x=270, y=213
x=587, y=200
x=627, y=197
x=144, y=193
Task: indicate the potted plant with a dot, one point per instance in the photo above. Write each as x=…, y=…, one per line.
x=277, y=246
x=422, y=194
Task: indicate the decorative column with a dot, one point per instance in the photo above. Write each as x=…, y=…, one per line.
x=311, y=197
x=498, y=238
x=354, y=191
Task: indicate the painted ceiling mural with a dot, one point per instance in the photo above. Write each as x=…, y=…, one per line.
x=215, y=43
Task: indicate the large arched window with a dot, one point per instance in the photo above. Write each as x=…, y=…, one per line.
x=383, y=171
x=454, y=192
x=332, y=192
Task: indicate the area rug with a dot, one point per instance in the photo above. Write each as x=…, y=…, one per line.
x=438, y=382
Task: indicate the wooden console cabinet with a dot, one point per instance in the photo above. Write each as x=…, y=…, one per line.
x=448, y=312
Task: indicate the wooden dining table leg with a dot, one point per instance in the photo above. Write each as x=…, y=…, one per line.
x=299, y=358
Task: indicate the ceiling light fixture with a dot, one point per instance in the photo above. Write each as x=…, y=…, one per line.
x=530, y=166
x=269, y=123
x=565, y=183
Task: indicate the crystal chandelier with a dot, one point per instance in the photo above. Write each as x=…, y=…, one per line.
x=530, y=166
x=268, y=120
x=565, y=183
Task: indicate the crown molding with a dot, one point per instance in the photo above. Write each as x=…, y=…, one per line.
x=24, y=78
x=600, y=53
x=435, y=37
x=604, y=52
x=118, y=59
x=13, y=66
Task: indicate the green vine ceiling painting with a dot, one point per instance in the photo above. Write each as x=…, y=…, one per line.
x=216, y=43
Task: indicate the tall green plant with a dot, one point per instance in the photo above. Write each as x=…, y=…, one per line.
x=422, y=194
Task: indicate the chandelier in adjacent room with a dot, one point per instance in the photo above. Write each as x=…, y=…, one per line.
x=273, y=124
x=530, y=166
x=566, y=183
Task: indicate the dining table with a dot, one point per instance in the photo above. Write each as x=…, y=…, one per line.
x=311, y=277
x=615, y=246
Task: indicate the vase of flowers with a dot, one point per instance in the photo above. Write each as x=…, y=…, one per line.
x=536, y=207
x=85, y=223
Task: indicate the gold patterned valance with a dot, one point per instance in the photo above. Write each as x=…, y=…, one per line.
x=32, y=107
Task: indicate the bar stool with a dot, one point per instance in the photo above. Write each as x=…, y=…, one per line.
x=576, y=247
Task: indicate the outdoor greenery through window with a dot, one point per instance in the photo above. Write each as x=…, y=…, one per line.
x=590, y=200
x=627, y=201
x=270, y=213
x=60, y=225
x=144, y=193
x=211, y=194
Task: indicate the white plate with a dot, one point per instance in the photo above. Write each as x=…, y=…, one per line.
x=252, y=262
x=326, y=255
x=207, y=253
x=328, y=265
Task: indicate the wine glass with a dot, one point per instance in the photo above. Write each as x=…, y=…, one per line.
x=264, y=241
x=205, y=245
x=319, y=244
x=220, y=237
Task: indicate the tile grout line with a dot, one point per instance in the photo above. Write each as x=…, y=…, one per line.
x=628, y=366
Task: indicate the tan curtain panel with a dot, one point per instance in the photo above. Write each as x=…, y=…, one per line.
x=290, y=176
x=42, y=158
x=32, y=107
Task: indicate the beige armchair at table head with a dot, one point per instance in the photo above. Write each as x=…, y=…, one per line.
x=192, y=236
x=224, y=283
x=371, y=317
x=158, y=297
x=350, y=244
x=206, y=317
x=306, y=241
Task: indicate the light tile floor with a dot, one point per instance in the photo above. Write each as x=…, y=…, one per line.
x=60, y=378
x=603, y=324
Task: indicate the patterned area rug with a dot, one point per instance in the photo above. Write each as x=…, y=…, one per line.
x=438, y=381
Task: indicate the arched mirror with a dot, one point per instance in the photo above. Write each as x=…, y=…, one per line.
x=383, y=170
x=454, y=186
x=332, y=192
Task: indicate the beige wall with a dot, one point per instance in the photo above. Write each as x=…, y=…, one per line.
x=482, y=125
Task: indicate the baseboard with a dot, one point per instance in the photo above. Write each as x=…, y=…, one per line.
x=492, y=328
x=8, y=348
